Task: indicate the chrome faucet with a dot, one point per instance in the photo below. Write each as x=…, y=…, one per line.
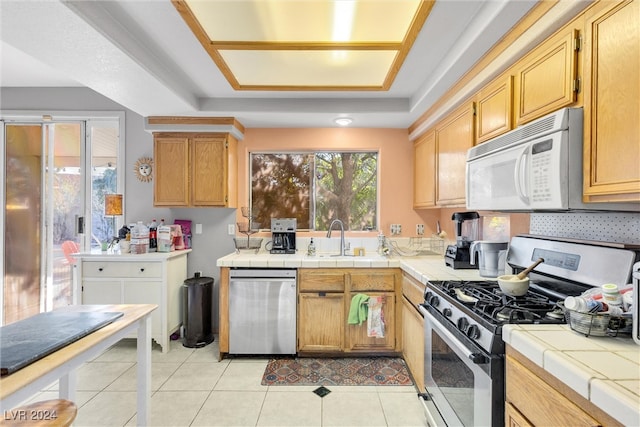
x=342, y=245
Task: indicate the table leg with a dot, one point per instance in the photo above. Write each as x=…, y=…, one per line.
x=67, y=385
x=144, y=370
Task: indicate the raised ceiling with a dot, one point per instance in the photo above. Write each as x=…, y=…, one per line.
x=306, y=45
x=144, y=56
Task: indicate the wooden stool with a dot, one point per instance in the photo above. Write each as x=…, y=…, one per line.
x=49, y=413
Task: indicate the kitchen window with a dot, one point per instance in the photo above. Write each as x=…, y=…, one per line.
x=315, y=188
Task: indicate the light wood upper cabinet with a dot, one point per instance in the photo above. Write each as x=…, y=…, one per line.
x=611, y=101
x=454, y=137
x=195, y=170
x=494, y=115
x=171, y=171
x=424, y=171
x=546, y=78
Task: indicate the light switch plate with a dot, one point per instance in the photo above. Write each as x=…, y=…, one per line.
x=198, y=228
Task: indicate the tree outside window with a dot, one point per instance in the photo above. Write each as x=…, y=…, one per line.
x=316, y=188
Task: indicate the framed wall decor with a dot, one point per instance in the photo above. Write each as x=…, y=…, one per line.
x=144, y=169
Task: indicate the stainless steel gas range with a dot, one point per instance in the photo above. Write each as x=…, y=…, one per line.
x=464, y=350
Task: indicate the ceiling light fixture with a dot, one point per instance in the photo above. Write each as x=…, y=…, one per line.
x=343, y=121
x=343, y=15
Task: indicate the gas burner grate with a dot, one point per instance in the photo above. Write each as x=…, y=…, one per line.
x=497, y=308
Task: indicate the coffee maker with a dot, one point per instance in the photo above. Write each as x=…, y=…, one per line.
x=283, y=235
x=458, y=256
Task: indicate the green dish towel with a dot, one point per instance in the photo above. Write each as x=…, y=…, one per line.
x=358, y=309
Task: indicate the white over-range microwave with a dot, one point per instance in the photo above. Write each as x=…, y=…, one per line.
x=535, y=167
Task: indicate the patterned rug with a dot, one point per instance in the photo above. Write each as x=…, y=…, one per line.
x=337, y=371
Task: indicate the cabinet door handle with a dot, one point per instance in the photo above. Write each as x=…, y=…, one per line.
x=100, y=269
x=142, y=270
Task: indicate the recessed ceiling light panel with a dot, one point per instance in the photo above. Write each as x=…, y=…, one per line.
x=298, y=45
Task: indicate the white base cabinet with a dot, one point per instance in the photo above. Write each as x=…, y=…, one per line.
x=154, y=278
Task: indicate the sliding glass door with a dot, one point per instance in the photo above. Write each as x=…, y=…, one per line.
x=55, y=176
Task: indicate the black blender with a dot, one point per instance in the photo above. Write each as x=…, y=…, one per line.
x=458, y=256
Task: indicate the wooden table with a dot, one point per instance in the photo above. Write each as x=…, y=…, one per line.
x=62, y=364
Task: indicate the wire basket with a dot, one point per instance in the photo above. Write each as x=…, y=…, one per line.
x=248, y=227
x=419, y=246
x=250, y=244
x=599, y=324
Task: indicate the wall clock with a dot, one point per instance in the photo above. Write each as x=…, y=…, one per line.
x=144, y=168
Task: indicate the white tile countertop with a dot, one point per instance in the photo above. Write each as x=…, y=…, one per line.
x=423, y=268
x=604, y=370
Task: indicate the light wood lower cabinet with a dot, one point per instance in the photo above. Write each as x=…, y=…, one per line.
x=324, y=301
x=513, y=417
x=321, y=322
x=536, y=398
x=130, y=280
x=413, y=339
x=357, y=334
x=413, y=328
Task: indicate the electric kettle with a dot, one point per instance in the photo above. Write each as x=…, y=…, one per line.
x=491, y=257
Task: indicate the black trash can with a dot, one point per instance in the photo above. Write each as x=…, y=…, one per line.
x=197, y=312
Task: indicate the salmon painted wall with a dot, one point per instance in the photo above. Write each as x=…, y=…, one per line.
x=394, y=162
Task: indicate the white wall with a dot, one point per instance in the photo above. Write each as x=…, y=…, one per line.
x=213, y=243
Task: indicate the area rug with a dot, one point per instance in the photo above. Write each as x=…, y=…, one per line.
x=337, y=371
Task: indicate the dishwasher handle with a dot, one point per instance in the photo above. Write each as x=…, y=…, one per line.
x=268, y=273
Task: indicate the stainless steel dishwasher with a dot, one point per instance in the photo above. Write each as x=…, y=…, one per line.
x=262, y=311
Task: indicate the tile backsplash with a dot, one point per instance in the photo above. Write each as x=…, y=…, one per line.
x=615, y=227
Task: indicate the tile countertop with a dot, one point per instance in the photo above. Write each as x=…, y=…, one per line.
x=423, y=268
x=604, y=370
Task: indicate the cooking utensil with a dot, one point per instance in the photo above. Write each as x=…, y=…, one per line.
x=527, y=270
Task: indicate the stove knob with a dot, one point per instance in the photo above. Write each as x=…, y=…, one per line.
x=447, y=312
x=435, y=301
x=473, y=332
x=463, y=324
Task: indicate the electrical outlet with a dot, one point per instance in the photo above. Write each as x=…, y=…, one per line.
x=231, y=229
x=396, y=229
x=420, y=229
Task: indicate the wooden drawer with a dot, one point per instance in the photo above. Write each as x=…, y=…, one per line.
x=322, y=280
x=412, y=289
x=133, y=270
x=373, y=280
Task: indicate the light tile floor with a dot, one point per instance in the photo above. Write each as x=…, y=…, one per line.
x=191, y=388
